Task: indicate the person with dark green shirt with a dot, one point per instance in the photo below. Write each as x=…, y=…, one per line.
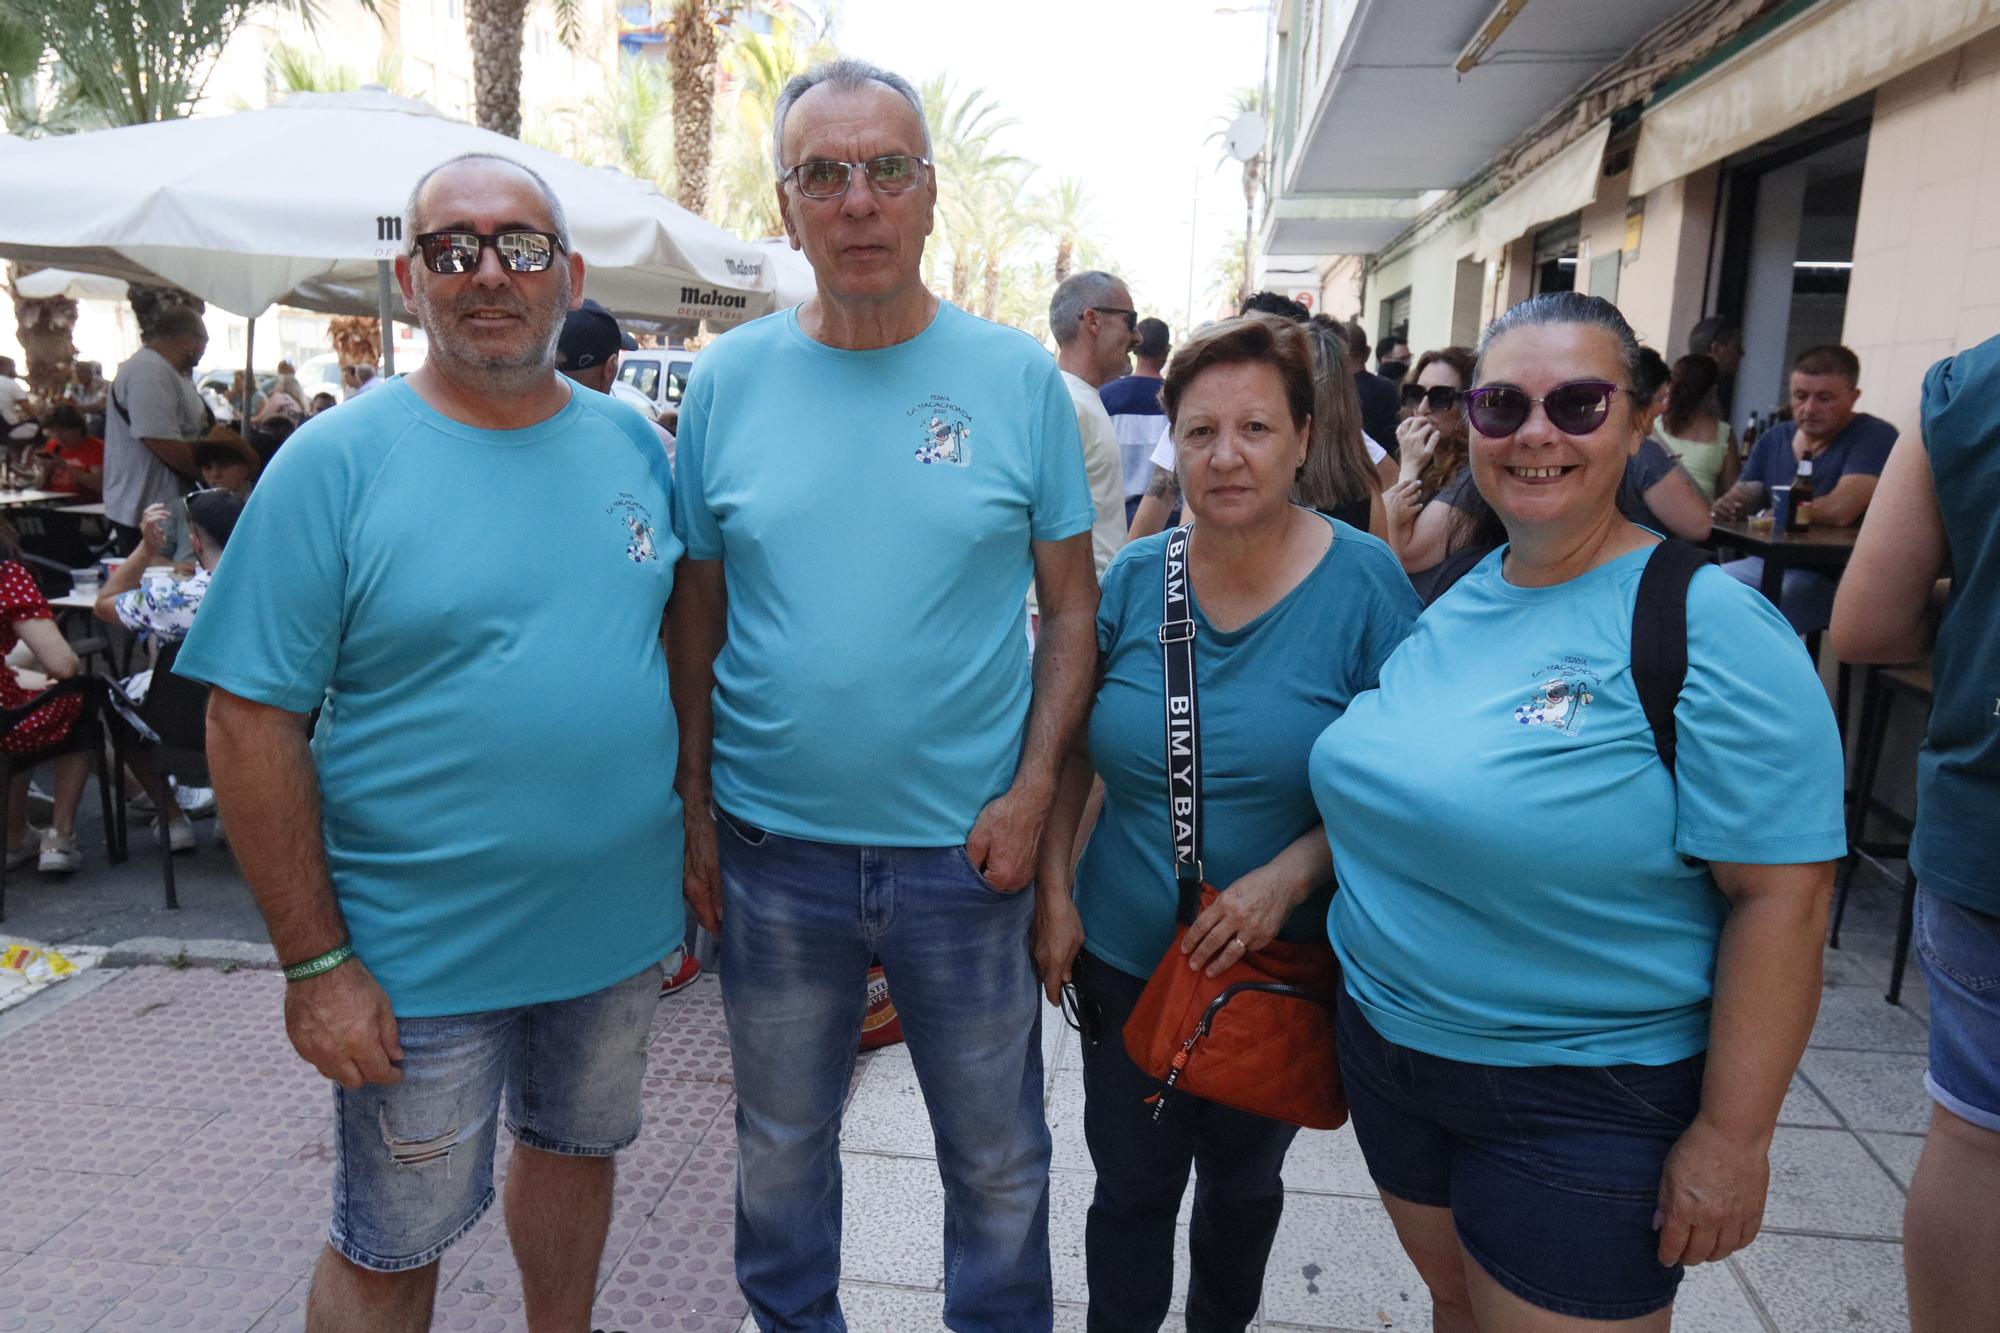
x=1933, y=518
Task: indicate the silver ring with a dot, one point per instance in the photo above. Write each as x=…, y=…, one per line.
x=1238, y=942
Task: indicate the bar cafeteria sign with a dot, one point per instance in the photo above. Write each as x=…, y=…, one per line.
x=1832, y=52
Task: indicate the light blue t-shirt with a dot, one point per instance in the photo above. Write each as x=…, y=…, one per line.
x=873, y=512
x=1266, y=689
x=1509, y=845
x=480, y=613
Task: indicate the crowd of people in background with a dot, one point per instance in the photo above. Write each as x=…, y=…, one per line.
x=1426, y=604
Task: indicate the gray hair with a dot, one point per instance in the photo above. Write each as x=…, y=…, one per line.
x=1078, y=293
x=1567, y=308
x=176, y=321
x=558, y=221
x=849, y=75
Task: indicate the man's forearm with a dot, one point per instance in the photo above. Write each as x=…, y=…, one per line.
x=696, y=626
x=176, y=454
x=1065, y=667
x=1154, y=505
x=268, y=792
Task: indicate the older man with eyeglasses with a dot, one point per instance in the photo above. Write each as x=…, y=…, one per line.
x=470, y=876
x=867, y=484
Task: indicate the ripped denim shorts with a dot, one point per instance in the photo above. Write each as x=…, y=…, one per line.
x=413, y=1162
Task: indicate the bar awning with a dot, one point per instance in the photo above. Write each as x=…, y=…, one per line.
x=1830, y=53
x=1556, y=188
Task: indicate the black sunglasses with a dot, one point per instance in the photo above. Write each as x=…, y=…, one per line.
x=1576, y=407
x=454, y=252
x=1131, y=316
x=1442, y=397
x=1083, y=1016
x=892, y=173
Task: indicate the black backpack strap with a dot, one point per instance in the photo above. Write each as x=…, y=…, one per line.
x=1660, y=637
x=1183, y=715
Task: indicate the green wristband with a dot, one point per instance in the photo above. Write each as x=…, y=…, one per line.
x=313, y=967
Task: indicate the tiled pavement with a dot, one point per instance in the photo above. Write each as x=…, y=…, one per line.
x=165, y=1164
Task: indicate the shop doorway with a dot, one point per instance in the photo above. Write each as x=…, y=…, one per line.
x=1788, y=211
x=1556, y=254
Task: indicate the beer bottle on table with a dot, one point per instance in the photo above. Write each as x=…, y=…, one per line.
x=1798, y=514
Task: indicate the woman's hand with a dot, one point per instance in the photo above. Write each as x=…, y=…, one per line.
x=1401, y=504
x=1058, y=938
x=1416, y=441
x=1711, y=1194
x=1243, y=918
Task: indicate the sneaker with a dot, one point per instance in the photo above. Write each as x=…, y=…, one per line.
x=59, y=854
x=197, y=802
x=682, y=979
x=30, y=849
x=141, y=804
x=180, y=835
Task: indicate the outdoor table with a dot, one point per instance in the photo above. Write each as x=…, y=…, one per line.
x=15, y=499
x=1823, y=549
x=94, y=509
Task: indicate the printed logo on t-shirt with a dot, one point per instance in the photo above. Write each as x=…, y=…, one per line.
x=1561, y=699
x=637, y=521
x=946, y=431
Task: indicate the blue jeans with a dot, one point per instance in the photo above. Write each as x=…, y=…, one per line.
x=1551, y=1172
x=413, y=1161
x=1960, y=949
x=800, y=922
x=1805, y=599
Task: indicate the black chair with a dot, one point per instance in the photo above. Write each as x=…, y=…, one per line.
x=87, y=734
x=1878, y=697
x=177, y=710
x=66, y=540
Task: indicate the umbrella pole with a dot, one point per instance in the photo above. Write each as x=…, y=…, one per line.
x=249, y=377
x=382, y=287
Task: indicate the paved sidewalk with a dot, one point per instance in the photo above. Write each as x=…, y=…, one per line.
x=166, y=1161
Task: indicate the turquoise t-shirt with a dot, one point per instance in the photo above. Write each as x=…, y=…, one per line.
x=1509, y=844
x=873, y=512
x=480, y=613
x=1266, y=690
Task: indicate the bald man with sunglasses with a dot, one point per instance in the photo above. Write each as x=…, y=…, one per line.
x=472, y=874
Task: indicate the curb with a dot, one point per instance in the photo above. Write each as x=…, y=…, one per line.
x=165, y=950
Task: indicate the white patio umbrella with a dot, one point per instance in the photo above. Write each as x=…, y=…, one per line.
x=216, y=205
x=792, y=278
x=46, y=282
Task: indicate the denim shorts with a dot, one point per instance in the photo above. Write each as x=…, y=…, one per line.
x=1552, y=1173
x=413, y=1161
x=1960, y=949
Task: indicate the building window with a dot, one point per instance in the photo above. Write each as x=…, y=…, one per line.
x=1392, y=321
x=1556, y=255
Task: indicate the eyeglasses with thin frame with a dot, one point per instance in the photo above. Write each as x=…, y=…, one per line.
x=1131, y=316
x=824, y=178
x=1574, y=407
x=1440, y=397
x=458, y=251
x=1081, y=1014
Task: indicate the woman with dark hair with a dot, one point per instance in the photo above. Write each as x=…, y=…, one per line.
x=1692, y=426
x=25, y=618
x=1291, y=613
x=1658, y=493
x=1577, y=975
x=1432, y=509
x=1339, y=478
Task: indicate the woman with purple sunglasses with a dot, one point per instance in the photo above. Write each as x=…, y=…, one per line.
x=1577, y=981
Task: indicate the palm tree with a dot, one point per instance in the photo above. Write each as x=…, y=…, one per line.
x=295, y=69
x=1064, y=213
x=495, y=29
x=758, y=66
x=975, y=178
x=697, y=27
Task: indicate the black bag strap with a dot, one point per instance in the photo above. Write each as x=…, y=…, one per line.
x=1660, y=638
x=1183, y=715
x=112, y=397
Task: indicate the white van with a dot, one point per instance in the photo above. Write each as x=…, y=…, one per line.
x=659, y=374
